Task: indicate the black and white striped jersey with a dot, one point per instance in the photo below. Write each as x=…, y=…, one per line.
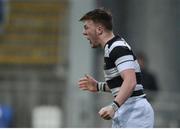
x=118, y=56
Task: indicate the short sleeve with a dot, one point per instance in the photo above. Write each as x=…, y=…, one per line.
x=123, y=58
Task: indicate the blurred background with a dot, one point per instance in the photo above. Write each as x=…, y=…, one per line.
x=43, y=54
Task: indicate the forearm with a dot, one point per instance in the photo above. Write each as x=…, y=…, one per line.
x=125, y=91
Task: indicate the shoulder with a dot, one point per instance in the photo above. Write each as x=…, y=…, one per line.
x=117, y=46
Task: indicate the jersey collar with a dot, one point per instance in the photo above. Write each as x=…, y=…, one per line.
x=115, y=38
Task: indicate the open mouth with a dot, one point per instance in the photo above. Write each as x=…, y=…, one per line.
x=89, y=40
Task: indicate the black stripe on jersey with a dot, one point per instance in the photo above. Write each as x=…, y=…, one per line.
x=108, y=63
x=117, y=81
x=139, y=78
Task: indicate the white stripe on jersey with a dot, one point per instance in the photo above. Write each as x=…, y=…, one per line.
x=138, y=87
x=137, y=67
x=119, y=43
x=129, y=60
x=106, y=51
x=111, y=73
x=126, y=65
x=123, y=59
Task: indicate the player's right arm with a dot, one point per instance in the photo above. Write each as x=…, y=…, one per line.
x=89, y=83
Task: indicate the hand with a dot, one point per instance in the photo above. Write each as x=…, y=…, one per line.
x=107, y=112
x=88, y=83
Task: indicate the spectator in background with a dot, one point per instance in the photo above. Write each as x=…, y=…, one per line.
x=149, y=80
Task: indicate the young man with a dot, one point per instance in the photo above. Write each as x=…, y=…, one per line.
x=122, y=74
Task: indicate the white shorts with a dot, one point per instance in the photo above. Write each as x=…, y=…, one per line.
x=134, y=113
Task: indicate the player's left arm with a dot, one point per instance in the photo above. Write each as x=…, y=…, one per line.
x=126, y=89
x=123, y=58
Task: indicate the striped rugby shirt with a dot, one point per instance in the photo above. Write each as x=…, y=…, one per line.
x=118, y=56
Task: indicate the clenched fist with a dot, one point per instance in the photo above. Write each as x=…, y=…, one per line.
x=107, y=112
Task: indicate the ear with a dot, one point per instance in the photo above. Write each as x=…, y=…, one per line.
x=99, y=30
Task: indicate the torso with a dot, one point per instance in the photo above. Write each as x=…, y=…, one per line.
x=118, y=56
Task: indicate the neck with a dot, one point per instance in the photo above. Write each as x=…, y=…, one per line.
x=105, y=38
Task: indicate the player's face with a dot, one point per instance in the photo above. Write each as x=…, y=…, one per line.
x=90, y=32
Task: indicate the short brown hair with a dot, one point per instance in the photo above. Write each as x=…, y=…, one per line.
x=101, y=15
